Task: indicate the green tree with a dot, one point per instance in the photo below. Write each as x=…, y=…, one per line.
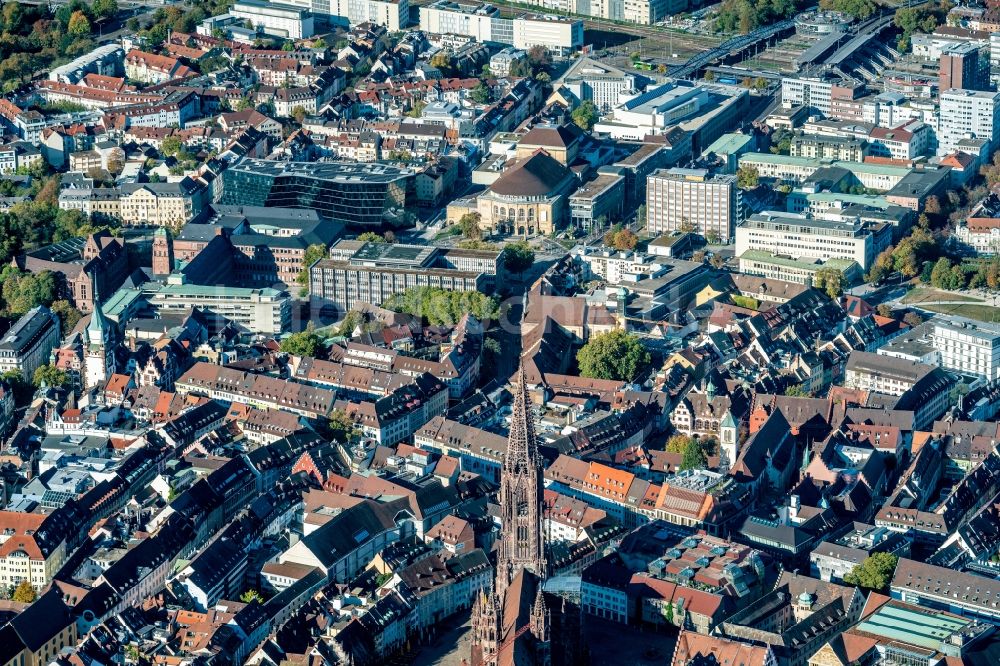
x=874, y=573
x=339, y=426
x=941, y=273
x=859, y=9
x=23, y=391
x=51, y=375
x=250, y=596
x=171, y=146
x=299, y=114
x=24, y=593
x=831, y=280
x=797, y=391
x=518, y=257
x=747, y=177
x=304, y=343
x=620, y=238
x=481, y=94
x=104, y=9
x=613, y=355
x=79, y=25
x=585, y=116
x=469, y=224
x=68, y=315
x=313, y=253
x=442, y=307
x=678, y=443
x=371, y=237
x=417, y=108
x=694, y=456
x=24, y=291
x=748, y=302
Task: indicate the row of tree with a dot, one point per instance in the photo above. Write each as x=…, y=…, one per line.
x=441, y=307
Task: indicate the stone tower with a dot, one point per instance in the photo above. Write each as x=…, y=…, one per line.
x=522, y=545
x=163, y=252
x=521, y=563
x=98, y=345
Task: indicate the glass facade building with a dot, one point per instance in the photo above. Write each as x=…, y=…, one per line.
x=360, y=195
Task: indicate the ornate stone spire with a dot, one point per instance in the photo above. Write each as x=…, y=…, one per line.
x=522, y=545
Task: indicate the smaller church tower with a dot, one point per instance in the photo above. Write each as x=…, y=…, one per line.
x=729, y=434
x=486, y=629
x=163, y=252
x=98, y=346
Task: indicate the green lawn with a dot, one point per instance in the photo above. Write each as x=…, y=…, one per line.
x=986, y=313
x=927, y=295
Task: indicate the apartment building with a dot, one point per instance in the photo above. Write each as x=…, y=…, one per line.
x=883, y=374
x=816, y=146
x=261, y=391
x=28, y=343
x=692, y=200
x=905, y=142
x=153, y=68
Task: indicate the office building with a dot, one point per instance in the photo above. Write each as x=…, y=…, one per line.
x=802, y=271
x=965, y=594
x=817, y=91
x=361, y=195
x=266, y=311
x=372, y=272
x=692, y=200
x=598, y=202
x=968, y=114
x=962, y=66
x=275, y=18
x=805, y=237
x=28, y=343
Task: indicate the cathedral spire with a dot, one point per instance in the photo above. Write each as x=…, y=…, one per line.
x=522, y=446
x=522, y=545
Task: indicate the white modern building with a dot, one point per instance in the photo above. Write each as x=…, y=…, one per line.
x=692, y=200
x=968, y=114
x=484, y=22
x=266, y=311
x=805, y=237
x=393, y=14
x=707, y=111
x=966, y=346
x=277, y=19
x=598, y=82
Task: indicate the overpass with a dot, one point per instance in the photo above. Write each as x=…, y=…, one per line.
x=731, y=47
